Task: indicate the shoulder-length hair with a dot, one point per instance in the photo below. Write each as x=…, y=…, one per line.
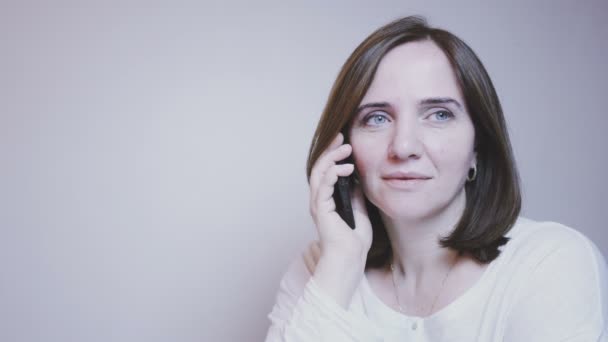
x=493, y=199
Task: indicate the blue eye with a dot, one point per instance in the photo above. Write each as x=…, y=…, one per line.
x=443, y=115
x=375, y=119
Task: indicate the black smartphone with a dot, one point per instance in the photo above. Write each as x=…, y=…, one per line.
x=342, y=191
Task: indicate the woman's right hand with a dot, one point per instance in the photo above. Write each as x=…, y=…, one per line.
x=337, y=239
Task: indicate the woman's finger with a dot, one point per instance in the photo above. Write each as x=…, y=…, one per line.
x=321, y=194
x=324, y=200
x=335, y=143
x=326, y=161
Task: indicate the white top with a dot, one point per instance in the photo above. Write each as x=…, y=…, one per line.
x=548, y=284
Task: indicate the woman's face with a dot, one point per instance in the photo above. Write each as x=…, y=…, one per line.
x=412, y=137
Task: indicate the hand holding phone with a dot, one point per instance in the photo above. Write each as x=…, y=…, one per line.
x=332, y=188
x=343, y=248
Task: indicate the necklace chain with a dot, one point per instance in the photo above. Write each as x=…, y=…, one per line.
x=436, y=296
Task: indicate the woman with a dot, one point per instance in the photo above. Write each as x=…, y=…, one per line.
x=439, y=251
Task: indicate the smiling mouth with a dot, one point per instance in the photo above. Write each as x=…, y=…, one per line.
x=405, y=179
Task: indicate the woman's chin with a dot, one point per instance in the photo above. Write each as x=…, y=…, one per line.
x=413, y=213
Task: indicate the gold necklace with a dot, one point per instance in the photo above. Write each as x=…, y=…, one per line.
x=436, y=296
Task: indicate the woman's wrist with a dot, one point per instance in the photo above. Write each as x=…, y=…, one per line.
x=338, y=276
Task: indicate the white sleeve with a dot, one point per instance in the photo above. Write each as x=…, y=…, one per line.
x=304, y=313
x=564, y=298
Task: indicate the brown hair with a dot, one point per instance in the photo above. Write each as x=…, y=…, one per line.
x=493, y=199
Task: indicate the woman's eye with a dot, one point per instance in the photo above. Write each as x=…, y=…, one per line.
x=375, y=119
x=443, y=115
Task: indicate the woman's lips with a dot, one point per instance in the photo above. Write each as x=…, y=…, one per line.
x=405, y=183
x=405, y=175
x=405, y=179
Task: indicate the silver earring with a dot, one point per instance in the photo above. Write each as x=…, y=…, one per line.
x=470, y=177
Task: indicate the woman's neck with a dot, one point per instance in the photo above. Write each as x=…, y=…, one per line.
x=417, y=254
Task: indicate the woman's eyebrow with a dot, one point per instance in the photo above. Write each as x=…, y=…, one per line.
x=421, y=103
x=439, y=100
x=372, y=105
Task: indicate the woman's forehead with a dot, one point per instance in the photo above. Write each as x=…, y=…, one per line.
x=413, y=71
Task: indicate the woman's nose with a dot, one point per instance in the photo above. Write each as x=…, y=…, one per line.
x=405, y=142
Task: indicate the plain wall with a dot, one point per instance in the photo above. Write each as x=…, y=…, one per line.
x=152, y=176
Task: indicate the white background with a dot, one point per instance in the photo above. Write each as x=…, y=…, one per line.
x=152, y=155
